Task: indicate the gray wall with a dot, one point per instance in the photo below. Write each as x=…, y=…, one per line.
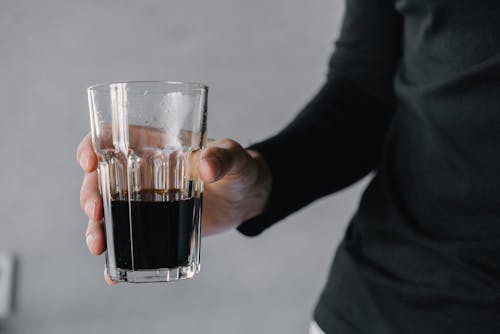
x=262, y=60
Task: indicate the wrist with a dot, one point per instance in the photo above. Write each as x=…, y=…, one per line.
x=261, y=190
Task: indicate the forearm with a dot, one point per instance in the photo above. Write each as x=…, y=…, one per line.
x=343, y=125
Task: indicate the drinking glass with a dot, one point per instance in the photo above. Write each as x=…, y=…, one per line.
x=148, y=136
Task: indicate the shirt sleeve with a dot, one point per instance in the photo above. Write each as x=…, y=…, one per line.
x=337, y=138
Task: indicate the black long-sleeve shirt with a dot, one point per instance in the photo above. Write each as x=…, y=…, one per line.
x=413, y=94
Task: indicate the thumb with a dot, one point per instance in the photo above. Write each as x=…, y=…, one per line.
x=225, y=157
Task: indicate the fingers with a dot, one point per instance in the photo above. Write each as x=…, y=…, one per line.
x=90, y=200
x=225, y=157
x=94, y=237
x=85, y=155
x=108, y=280
x=91, y=203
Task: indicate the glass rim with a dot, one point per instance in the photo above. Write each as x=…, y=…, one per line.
x=190, y=85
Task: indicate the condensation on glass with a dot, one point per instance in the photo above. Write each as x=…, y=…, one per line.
x=148, y=137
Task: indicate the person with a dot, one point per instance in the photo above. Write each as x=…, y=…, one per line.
x=412, y=95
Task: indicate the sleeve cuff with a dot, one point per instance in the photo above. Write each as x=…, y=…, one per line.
x=275, y=210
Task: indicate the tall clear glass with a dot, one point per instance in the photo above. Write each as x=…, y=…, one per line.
x=148, y=136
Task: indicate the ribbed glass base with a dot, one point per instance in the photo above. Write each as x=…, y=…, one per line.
x=157, y=275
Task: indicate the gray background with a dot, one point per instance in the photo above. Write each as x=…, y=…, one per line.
x=262, y=60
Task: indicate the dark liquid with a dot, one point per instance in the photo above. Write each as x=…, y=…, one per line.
x=161, y=233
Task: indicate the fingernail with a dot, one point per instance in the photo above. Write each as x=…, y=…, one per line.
x=90, y=242
x=89, y=209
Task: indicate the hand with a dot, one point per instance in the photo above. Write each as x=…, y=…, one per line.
x=237, y=184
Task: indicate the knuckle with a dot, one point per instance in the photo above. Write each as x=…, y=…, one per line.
x=82, y=146
x=89, y=229
x=83, y=200
x=231, y=144
x=220, y=153
x=84, y=197
x=78, y=152
x=84, y=188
